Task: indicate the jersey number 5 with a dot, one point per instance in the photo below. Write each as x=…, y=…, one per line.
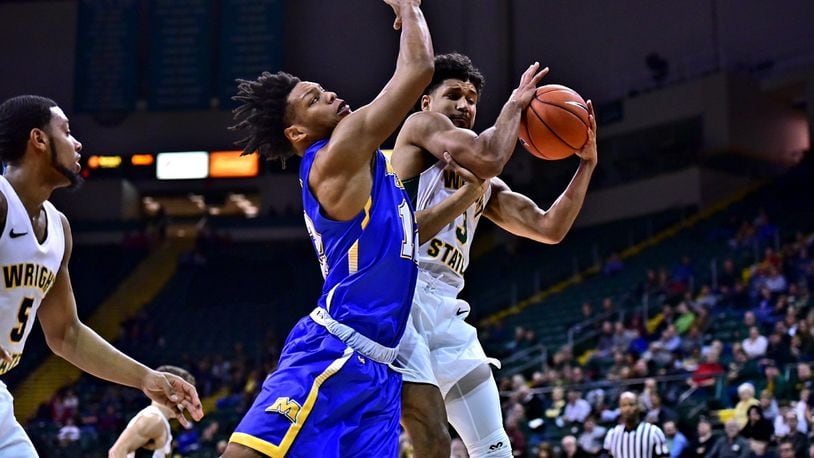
x=22, y=317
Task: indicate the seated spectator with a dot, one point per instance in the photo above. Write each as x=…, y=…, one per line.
x=576, y=409
x=769, y=405
x=592, y=436
x=746, y=394
x=774, y=382
x=703, y=442
x=755, y=345
x=570, y=448
x=659, y=413
x=798, y=438
x=613, y=265
x=731, y=445
x=685, y=318
x=779, y=349
x=800, y=379
x=677, y=443
x=758, y=430
x=555, y=408
x=707, y=372
x=545, y=451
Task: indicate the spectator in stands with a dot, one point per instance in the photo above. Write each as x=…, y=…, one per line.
x=798, y=438
x=650, y=387
x=785, y=449
x=703, y=442
x=755, y=345
x=555, y=408
x=706, y=297
x=729, y=275
x=692, y=341
x=779, y=348
x=516, y=436
x=613, y=265
x=545, y=451
x=769, y=405
x=605, y=347
x=731, y=445
x=677, y=443
x=576, y=409
x=68, y=438
x=591, y=438
x=801, y=379
x=609, y=310
x=586, y=315
x=571, y=449
x=746, y=394
x=659, y=413
x=685, y=318
x=774, y=382
x=741, y=370
x=622, y=337
x=803, y=409
x=707, y=372
x=758, y=430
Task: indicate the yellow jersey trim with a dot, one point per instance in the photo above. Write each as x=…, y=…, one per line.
x=353, y=257
x=368, y=204
x=279, y=451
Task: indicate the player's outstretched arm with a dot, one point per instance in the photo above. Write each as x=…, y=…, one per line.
x=433, y=219
x=137, y=434
x=358, y=135
x=483, y=154
x=519, y=215
x=81, y=346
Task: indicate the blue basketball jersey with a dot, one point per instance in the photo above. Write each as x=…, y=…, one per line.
x=368, y=262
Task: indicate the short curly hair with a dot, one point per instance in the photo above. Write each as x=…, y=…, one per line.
x=18, y=115
x=262, y=114
x=455, y=66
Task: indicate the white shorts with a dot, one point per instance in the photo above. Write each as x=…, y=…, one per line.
x=438, y=346
x=14, y=442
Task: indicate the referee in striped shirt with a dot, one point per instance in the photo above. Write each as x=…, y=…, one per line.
x=634, y=438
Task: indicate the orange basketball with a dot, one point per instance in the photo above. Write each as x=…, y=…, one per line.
x=555, y=124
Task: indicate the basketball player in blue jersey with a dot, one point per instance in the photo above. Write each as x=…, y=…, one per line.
x=446, y=371
x=40, y=155
x=333, y=393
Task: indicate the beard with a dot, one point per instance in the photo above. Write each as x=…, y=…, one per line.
x=75, y=180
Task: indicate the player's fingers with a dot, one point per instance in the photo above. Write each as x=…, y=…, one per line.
x=167, y=388
x=179, y=415
x=592, y=115
x=528, y=75
x=540, y=75
x=190, y=400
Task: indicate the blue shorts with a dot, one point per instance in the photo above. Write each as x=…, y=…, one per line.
x=324, y=400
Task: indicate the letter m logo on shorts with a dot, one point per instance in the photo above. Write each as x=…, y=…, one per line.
x=286, y=407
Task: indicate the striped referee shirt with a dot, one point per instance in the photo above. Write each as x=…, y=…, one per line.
x=646, y=441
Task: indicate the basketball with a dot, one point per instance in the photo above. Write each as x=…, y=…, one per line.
x=555, y=124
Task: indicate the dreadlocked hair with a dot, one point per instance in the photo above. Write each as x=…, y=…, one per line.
x=262, y=115
x=455, y=66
